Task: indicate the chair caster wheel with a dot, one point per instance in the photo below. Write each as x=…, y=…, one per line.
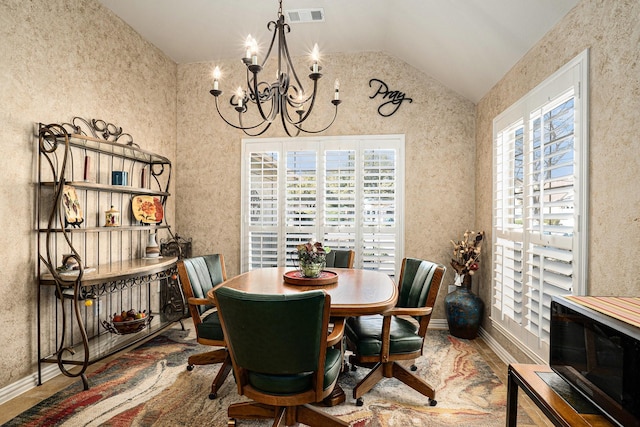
x=433, y=402
x=189, y=368
x=231, y=422
x=213, y=395
x=414, y=368
x=359, y=402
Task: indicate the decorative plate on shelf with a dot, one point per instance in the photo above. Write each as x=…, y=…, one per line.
x=147, y=209
x=295, y=277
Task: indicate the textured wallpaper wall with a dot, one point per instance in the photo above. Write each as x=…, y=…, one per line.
x=440, y=154
x=60, y=59
x=611, y=29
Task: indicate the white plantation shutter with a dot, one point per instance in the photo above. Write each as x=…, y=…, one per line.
x=379, y=208
x=340, y=196
x=343, y=191
x=300, y=207
x=509, y=187
x=301, y=189
x=551, y=208
x=539, y=226
x=508, y=297
x=262, y=213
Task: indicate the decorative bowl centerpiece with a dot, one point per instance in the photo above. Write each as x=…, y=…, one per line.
x=312, y=258
x=128, y=322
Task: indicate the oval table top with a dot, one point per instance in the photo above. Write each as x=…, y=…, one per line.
x=357, y=292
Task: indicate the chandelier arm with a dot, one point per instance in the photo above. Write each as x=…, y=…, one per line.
x=335, y=114
x=257, y=98
x=233, y=125
x=284, y=48
x=249, y=85
x=311, y=98
x=246, y=129
x=281, y=40
x=273, y=39
x=253, y=86
x=263, y=95
x=285, y=125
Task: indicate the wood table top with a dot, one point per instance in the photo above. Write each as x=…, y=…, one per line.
x=357, y=292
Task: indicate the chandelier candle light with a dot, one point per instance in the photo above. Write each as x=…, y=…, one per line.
x=286, y=97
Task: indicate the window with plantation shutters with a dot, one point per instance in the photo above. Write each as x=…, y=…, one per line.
x=343, y=191
x=540, y=205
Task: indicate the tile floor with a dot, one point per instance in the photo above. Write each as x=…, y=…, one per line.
x=23, y=402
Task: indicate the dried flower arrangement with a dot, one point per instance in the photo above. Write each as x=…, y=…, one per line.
x=466, y=255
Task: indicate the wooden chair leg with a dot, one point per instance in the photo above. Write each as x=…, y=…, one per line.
x=369, y=381
x=221, y=376
x=311, y=416
x=413, y=381
x=280, y=417
x=251, y=410
x=208, y=358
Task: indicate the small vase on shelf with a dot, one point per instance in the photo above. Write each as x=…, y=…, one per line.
x=464, y=310
x=152, y=250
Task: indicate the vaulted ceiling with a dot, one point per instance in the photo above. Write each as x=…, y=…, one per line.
x=467, y=45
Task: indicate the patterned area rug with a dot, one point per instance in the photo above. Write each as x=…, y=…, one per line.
x=150, y=386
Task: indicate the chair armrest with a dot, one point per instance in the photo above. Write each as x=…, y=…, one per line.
x=408, y=311
x=337, y=332
x=199, y=301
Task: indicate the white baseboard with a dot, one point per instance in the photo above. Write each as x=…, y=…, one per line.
x=27, y=383
x=438, y=324
x=496, y=347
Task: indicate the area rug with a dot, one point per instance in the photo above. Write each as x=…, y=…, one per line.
x=150, y=386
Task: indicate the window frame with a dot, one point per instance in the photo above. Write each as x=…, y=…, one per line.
x=572, y=76
x=321, y=145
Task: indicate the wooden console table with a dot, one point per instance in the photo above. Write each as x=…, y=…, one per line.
x=530, y=379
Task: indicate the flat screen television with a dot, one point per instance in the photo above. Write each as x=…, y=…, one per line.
x=599, y=356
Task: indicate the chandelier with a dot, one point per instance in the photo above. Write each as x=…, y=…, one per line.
x=285, y=98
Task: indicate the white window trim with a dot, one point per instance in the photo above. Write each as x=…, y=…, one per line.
x=396, y=141
x=575, y=70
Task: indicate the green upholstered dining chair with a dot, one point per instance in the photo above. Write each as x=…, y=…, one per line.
x=198, y=275
x=282, y=355
x=380, y=341
x=340, y=258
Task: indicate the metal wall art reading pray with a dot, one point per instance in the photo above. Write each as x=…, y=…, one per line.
x=393, y=98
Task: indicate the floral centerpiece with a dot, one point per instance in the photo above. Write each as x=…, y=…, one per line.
x=466, y=256
x=312, y=257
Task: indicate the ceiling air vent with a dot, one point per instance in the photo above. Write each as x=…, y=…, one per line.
x=298, y=16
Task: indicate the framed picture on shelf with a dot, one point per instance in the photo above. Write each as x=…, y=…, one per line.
x=72, y=210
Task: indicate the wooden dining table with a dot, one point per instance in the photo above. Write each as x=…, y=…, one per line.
x=356, y=293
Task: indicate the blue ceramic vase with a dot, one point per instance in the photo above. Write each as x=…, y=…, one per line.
x=464, y=311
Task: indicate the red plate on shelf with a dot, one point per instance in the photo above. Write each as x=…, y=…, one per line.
x=295, y=277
